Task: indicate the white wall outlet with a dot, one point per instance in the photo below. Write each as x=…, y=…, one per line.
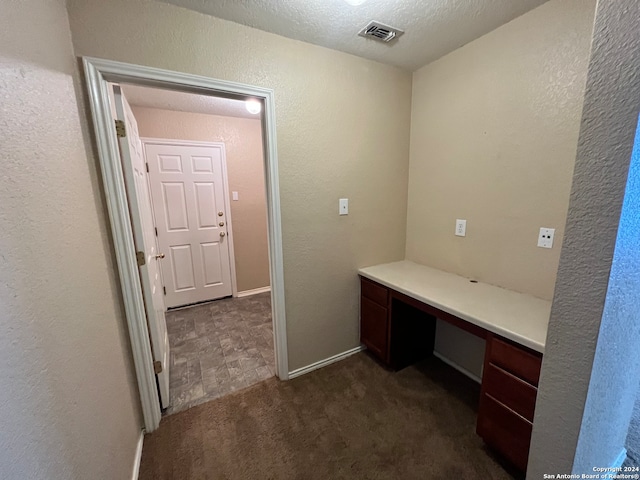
x=545, y=237
x=461, y=228
x=343, y=206
x=234, y=195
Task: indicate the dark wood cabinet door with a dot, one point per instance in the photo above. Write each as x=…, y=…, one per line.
x=373, y=327
x=504, y=430
x=515, y=359
x=509, y=390
x=375, y=292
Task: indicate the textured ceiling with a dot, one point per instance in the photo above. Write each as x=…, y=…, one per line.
x=432, y=28
x=185, y=102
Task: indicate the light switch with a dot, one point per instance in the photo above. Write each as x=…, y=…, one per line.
x=234, y=195
x=343, y=206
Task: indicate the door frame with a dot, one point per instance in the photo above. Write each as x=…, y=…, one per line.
x=225, y=186
x=98, y=73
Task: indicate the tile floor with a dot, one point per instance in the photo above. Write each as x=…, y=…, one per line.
x=219, y=347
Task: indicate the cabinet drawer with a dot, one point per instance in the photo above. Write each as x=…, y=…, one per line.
x=504, y=430
x=522, y=363
x=373, y=328
x=508, y=389
x=374, y=292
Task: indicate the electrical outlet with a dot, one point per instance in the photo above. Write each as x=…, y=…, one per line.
x=461, y=228
x=545, y=237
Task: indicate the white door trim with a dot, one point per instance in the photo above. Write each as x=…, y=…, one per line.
x=225, y=185
x=98, y=73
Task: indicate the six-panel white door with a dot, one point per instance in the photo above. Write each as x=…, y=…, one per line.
x=188, y=192
x=135, y=174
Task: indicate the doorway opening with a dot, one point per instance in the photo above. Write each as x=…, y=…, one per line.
x=202, y=165
x=170, y=205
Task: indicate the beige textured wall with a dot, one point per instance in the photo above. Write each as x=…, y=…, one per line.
x=592, y=343
x=494, y=132
x=343, y=131
x=245, y=170
x=493, y=140
x=68, y=404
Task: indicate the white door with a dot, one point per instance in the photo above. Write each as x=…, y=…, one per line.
x=135, y=173
x=188, y=192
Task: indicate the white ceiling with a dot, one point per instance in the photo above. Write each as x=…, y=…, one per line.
x=432, y=28
x=185, y=102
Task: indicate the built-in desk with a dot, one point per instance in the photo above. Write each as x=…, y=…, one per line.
x=400, y=302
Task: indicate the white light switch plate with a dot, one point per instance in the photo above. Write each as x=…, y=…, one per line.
x=545, y=237
x=461, y=228
x=234, y=195
x=343, y=206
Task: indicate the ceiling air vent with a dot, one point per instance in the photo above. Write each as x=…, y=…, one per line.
x=380, y=31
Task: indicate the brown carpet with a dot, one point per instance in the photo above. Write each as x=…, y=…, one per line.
x=352, y=419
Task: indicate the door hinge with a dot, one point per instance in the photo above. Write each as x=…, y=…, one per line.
x=156, y=231
x=140, y=258
x=147, y=167
x=164, y=289
x=157, y=367
x=121, y=131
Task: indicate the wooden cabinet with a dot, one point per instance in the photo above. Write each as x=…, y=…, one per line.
x=375, y=292
x=374, y=318
x=507, y=398
x=374, y=327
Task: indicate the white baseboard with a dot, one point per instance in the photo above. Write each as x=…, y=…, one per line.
x=323, y=363
x=255, y=291
x=620, y=460
x=138, y=457
x=462, y=370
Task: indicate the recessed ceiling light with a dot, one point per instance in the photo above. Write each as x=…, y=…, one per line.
x=355, y=3
x=253, y=106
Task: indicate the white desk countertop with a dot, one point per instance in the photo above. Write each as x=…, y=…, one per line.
x=516, y=316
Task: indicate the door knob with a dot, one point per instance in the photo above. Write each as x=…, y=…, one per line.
x=160, y=255
x=221, y=224
x=222, y=234
x=220, y=214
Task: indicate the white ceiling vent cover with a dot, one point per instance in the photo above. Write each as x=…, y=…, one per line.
x=380, y=31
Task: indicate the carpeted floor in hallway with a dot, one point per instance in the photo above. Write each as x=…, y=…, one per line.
x=353, y=419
